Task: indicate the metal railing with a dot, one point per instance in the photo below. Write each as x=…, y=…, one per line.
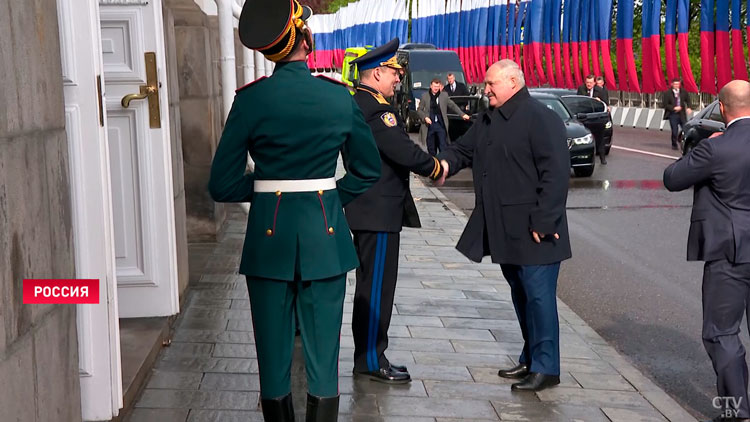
x=634, y=99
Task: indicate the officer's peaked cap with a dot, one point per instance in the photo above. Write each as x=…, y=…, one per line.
x=385, y=55
x=271, y=26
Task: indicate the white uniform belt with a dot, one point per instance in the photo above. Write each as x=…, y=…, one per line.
x=304, y=185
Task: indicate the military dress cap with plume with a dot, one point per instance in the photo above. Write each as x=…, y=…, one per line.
x=297, y=247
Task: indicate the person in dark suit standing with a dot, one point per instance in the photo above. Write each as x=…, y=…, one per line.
x=521, y=167
x=297, y=248
x=603, y=92
x=719, y=170
x=589, y=88
x=433, y=112
x=676, y=109
x=376, y=218
x=454, y=88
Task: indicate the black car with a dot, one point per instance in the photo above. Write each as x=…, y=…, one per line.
x=702, y=125
x=580, y=141
x=593, y=113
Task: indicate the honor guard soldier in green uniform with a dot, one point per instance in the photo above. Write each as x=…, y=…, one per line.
x=377, y=216
x=298, y=247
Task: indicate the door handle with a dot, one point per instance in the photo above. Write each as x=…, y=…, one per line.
x=150, y=91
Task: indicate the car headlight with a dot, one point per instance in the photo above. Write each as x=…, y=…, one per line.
x=608, y=125
x=416, y=102
x=583, y=140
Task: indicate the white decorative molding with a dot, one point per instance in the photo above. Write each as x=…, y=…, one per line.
x=122, y=45
x=67, y=44
x=123, y=2
x=126, y=162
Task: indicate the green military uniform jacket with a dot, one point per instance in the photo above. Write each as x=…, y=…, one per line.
x=294, y=125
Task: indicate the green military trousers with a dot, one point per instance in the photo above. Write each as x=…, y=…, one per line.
x=319, y=305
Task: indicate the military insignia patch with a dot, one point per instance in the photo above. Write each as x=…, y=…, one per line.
x=389, y=119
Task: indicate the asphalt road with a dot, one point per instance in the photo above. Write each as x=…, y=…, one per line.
x=629, y=278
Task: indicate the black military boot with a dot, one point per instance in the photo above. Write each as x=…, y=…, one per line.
x=279, y=409
x=322, y=409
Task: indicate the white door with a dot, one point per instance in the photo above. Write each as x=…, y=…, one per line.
x=85, y=124
x=140, y=160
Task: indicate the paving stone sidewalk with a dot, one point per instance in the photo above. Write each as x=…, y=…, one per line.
x=453, y=325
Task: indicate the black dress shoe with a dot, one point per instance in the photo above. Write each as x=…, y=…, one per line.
x=399, y=368
x=322, y=409
x=603, y=161
x=536, y=382
x=278, y=409
x=385, y=375
x=517, y=372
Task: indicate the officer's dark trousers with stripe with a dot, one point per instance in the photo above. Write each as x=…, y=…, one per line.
x=533, y=289
x=726, y=298
x=319, y=306
x=373, y=297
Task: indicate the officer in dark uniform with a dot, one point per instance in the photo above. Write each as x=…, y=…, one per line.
x=377, y=216
x=298, y=248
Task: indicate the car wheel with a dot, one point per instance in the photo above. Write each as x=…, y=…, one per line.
x=584, y=171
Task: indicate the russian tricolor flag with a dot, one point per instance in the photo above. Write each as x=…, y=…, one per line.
x=628, y=78
x=708, y=78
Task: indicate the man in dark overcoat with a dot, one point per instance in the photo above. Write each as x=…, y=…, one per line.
x=520, y=162
x=376, y=218
x=719, y=170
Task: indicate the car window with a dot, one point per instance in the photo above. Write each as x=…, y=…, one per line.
x=556, y=106
x=599, y=107
x=579, y=104
x=715, y=114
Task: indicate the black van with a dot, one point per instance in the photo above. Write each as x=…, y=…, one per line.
x=422, y=64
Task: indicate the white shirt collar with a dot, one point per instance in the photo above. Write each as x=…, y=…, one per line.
x=739, y=118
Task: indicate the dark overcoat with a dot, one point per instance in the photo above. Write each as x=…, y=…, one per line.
x=388, y=205
x=521, y=167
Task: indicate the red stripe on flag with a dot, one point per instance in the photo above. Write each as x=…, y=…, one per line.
x=576, y=65
x=671, y=56
x=723, y=65
x=566, y=65
x=585, y=58
x=596, y=69
x=646, y=65
x=609, y=73
x=688, y=81
x=708, y=76
x=537, y=52
x=738, y=55
x=548, y=64
x=658, y=72
x=559, y=81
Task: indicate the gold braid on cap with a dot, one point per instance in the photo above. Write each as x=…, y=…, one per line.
x=299, y=24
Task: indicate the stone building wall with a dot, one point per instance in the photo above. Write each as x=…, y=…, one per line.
x=38, y=343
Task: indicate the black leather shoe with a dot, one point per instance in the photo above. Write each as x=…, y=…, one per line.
x=322, y=409
x=399, y=368
x=278, y=409
x=603, y=161
x=536, y=382
x=385, y=375
x=517, y=372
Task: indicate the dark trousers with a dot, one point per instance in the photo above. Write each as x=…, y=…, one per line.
x=436, y=138
x=373, y=297
x=675, y=121
x=319, y=306
x=599, y=143
x=533, y=289
x=726, y=298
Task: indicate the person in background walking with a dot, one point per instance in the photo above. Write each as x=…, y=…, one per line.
x=676, y=109
x=297, y=247
x=433, y=112
x=719, y=171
